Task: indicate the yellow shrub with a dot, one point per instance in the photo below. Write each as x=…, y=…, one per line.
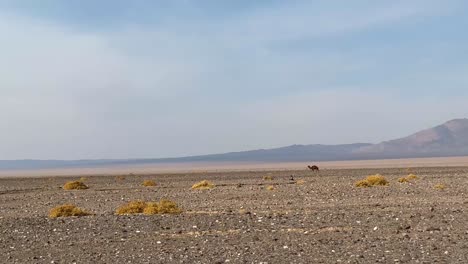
x=149, y=208
x=408, y=178
x=377, y=179
x=242, y=211
x=403, y=180
x=66, y=211
x=134, y=207
x=203, y=185
x=149, y=183
x=300, y=182
x=363, y=183
x=372, y=180
x=267, y=178
x=163, y=207
x=75, y=185
x=440, y=186
x=270, y=188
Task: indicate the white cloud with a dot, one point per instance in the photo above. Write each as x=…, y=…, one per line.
x=166, y=90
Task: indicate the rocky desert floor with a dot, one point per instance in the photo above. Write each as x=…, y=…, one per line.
x=315, y=218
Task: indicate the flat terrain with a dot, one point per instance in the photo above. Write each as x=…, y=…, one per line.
x=190, y=167
x=315, y=218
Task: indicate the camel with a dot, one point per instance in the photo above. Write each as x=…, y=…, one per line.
x=313, y=168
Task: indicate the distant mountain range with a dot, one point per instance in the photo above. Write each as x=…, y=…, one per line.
x=446, y=140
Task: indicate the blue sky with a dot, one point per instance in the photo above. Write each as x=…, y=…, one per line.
x=134, y=79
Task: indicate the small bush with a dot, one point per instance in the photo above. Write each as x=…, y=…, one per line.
x=440, y=186
x=149, y=208
x=408, y=178
x=300, y=182
x=363, y=183
x=163, y=207
x=75, y=185
x=377, y=180
x=203, y=185
x=403, y=180
x=120, y=178
x=149, y=183
x=242, y=211
x=83, y=179
x=66, y=211
x=134, y=207
x=270, y=188
x=373, y=180
x=267, y=178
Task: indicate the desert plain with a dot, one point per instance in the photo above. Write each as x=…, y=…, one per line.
x=257, y=216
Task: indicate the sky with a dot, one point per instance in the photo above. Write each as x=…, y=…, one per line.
x=147, y=79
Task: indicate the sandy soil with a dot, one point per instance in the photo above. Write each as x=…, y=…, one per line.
x=324, y=220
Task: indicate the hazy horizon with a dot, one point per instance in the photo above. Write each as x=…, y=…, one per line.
x=123, y=80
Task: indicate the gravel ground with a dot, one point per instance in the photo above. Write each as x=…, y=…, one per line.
x=324, y=219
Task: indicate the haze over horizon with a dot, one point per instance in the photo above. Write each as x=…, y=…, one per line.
x=140, y=79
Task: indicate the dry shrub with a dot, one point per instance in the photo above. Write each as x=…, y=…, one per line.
x=300, y=182
x=66, y=211
x=270, y=188
x=377, y=179
x=149, y=183
x=75, y=185
x=203, y=185
x=267, y=178
x=83, y=179
x=440, y=186
x=408, y=178
x=363, y=183
x=163, y=207
x=243, y=211
x=134, y=207
x=120, y=178
x=403, y=180
x=149, y=208
x=372, y=180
